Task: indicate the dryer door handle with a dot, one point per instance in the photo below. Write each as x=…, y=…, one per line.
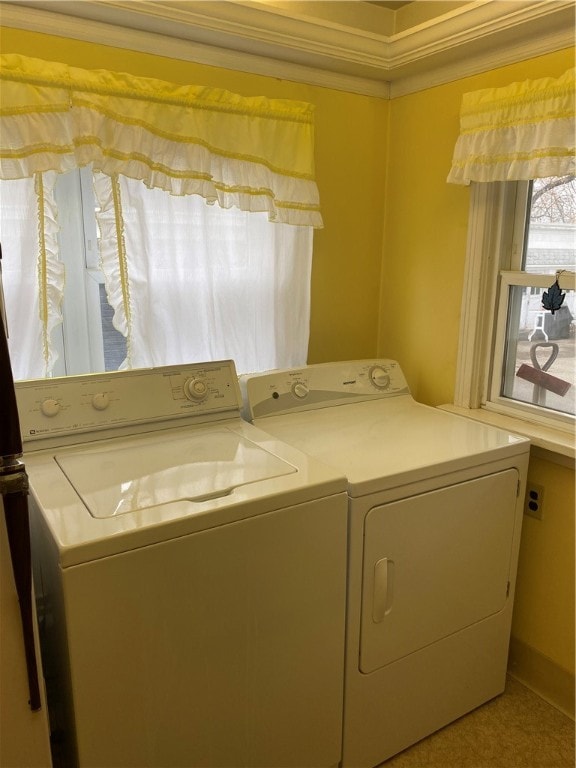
x=383, y=589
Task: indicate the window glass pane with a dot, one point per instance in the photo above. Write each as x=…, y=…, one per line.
x=551, y=240
x=539, y=364
x=114, y=343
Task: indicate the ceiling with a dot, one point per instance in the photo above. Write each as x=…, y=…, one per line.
x=392, y=4
x=383, y=49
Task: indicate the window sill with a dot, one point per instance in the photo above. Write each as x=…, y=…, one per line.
x=548, y=443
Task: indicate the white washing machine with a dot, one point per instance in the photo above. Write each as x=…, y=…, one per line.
x=191, y=575
x=435, y=511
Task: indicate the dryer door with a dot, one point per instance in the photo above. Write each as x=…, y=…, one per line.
x=434, y=564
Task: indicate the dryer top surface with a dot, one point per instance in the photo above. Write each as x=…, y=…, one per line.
x=384, y=443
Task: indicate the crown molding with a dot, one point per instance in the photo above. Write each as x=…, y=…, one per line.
x=277, y=41
x=482, y=61
x=160, y=45
x=477, y=21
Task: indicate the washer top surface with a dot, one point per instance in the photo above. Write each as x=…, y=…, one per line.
x=188, y=465
x=106, y=498
x=377, y=434
x=154, y=464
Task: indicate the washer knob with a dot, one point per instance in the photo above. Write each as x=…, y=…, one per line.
x=50, y=407
x=195, y=389
x=379, y=377
x=300, y=390
x=101, y=401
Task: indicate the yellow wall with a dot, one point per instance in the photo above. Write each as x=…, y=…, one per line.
x=381, y=169
x=350, y=166
x=544, y=604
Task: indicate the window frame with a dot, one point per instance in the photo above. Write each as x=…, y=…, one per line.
x=496, y=232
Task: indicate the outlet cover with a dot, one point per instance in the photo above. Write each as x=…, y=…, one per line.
x=534, y=501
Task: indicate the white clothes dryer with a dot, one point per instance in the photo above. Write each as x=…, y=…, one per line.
x=190, y=572
x=435, y=512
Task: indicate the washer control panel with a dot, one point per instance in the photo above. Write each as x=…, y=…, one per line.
x=82, y=404
x=320, y=386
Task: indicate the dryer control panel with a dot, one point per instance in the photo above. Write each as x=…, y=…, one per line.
x=320, y=386
x=70, y=405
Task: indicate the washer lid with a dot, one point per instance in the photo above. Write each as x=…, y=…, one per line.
x=192, y=466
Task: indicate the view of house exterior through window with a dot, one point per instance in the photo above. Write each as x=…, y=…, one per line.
x=539, y=365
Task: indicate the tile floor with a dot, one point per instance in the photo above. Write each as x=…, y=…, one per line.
x=516, y=730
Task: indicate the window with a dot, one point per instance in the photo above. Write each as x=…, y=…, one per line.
x=146, y=278
x=205, y=203
x=517, y=357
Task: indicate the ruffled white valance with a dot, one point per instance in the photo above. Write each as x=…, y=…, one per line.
x=253, y=153
x=524, y=131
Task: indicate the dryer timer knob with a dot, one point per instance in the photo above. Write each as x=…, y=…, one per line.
x=300, y=390
x=379, y=377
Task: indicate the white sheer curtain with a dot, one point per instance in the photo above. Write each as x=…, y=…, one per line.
x=190, y=281
x=33, y=278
